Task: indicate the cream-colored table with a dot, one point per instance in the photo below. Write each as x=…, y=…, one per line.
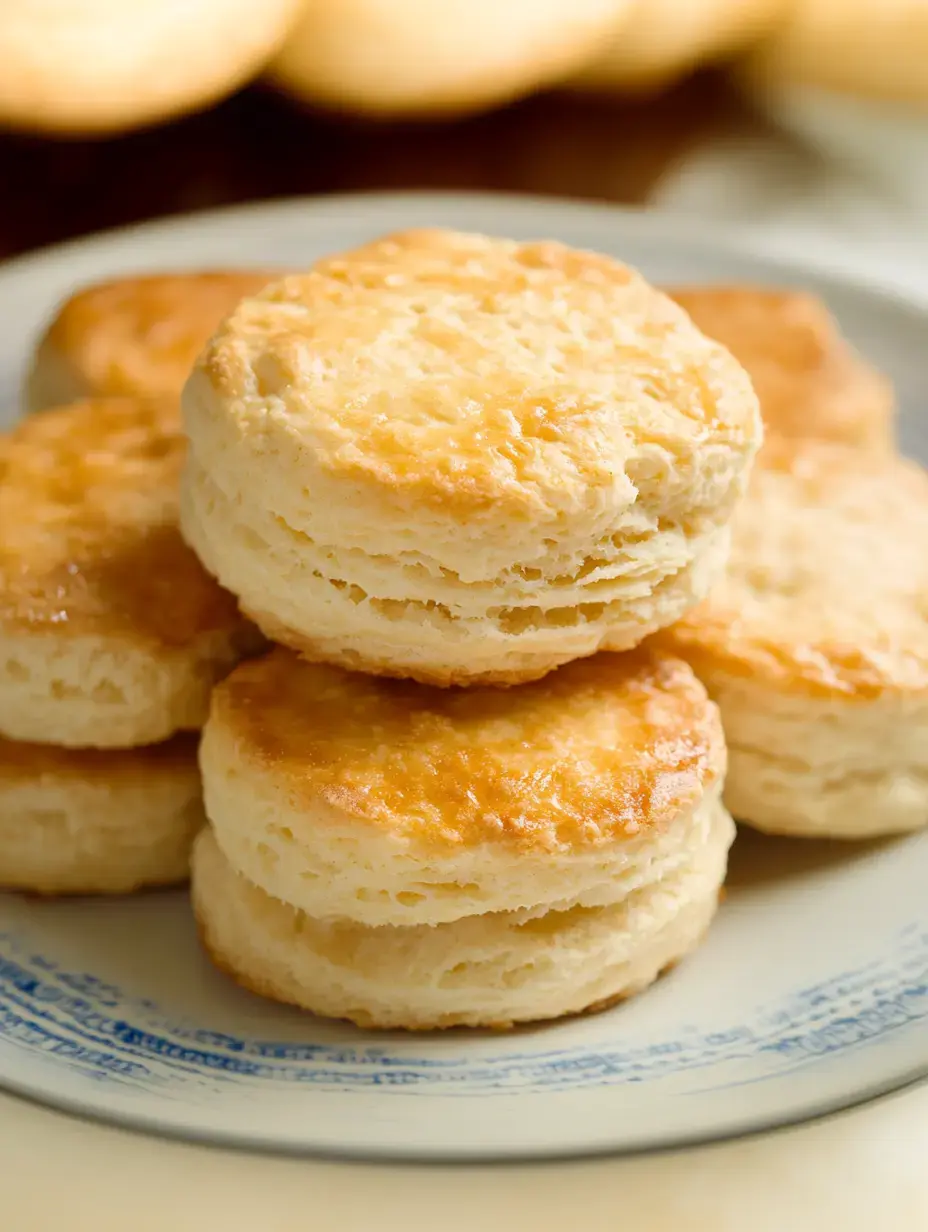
x=864, y=1171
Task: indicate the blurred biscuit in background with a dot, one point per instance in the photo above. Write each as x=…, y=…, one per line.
x=108, y=65
x=137, y=335
x=815, y=644
x=874, y=48
x=111, y=632
x=810, y=381
x=661, y=40
x=419, y=57
x=91, y=821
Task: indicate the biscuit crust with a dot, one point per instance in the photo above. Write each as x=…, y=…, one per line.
x=826, y=592
x=810, y=381
x=111, y=632
x=133, y=336
x=462, y=459
x=602, y=750
x=390, y=803
x=815, y=645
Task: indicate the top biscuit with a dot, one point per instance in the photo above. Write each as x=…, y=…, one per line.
x=460, y=458
x=111, y=632
x=826, y=593
x=810, y=382
x=133, y=335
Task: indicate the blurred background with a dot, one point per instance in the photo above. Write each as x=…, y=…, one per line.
x=792, y=115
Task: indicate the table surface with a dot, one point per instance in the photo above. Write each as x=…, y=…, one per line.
x=863, y=1171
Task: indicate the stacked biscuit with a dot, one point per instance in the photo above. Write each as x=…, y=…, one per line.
x=815, y=641
x=493, y=503
x=111, y=638
x=442, y=472
x=112, y=634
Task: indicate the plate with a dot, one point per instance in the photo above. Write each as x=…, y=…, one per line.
x=810, y=994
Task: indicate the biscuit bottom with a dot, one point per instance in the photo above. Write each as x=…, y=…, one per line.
x=494, y=970
x=92, y=822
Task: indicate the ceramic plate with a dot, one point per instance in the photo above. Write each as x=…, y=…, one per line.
x=810, y=994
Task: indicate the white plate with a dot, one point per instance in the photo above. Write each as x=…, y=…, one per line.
x=810, y=995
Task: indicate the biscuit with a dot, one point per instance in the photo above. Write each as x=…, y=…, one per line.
x=873, y=48
x=133, y=336
x=413, y=57
x=387, y=802
x=815, y=645
x=464, y=460
x=484, y=971
x=94, y=821
x=111, y=632
x=416, y=857
x=106, y=65
x=662, y=40
x=810, y=381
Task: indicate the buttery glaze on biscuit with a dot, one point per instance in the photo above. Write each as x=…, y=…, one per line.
x=603, y=749
x=88, y=528
x=464, y=460
x=111, y=632
x=810, y=382
x=391, y=803
x=134, y=336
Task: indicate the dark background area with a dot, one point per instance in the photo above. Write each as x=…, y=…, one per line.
x=257, y=145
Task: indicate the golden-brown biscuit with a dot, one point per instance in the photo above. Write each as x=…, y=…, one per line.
x=815, y=644
x=462, y=459
x=94, y=821
x=810, y=381
x=874, y=48
x=661, y=40
x=578, y=816
x=416, y=57
x=389, y=802
x=106, y=65
x=133, y=335
x=111, y=632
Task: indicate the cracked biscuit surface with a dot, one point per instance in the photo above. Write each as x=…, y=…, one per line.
x=464, y=460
